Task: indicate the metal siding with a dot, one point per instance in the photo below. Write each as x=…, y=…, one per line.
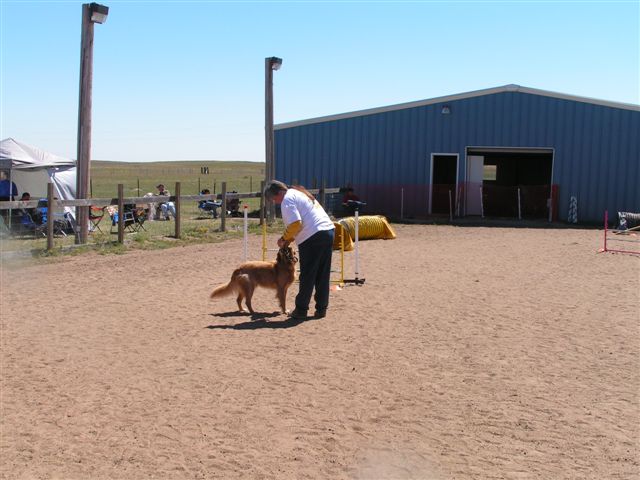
x=632, y=175
x=353, y=152
x=615, y=175
x=596, y=147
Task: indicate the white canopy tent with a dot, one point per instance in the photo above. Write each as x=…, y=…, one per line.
x=31, y=168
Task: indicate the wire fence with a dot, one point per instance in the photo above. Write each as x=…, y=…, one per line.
x=48, y=224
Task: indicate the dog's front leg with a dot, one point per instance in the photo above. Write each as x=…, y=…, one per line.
x=282, y=298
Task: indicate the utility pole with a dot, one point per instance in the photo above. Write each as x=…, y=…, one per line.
x=270, y=64
x=91, y=13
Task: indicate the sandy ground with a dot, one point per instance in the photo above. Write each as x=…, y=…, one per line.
x=470, y=353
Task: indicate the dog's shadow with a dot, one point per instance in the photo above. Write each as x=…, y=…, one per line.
x=258, y=320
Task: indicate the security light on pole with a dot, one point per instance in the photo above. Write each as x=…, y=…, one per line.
x=271, y=64
x=91, y=13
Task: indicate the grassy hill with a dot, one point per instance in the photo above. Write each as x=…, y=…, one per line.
x=240, y=176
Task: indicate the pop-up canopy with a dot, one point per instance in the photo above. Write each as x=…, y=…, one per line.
x=31, y=168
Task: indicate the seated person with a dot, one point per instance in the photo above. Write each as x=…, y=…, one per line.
x=167, y=208
x=30, y=213
x=347, y=201
x=208, y=205
x=233, y=205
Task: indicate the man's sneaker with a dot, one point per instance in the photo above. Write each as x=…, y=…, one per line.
x=320, y=314
x=298, y=314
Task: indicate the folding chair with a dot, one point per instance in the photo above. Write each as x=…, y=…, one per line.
x=61, y=222
x=133, y=219
x=210, y=207
x=96, y=214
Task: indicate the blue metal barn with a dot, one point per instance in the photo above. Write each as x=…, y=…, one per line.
x=509, y=151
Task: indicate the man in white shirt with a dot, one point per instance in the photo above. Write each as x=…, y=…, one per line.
x=309, y=225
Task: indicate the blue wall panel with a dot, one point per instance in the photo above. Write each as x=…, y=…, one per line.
x=596, y=148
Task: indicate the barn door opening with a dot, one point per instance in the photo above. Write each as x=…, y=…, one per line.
x=516, y=182
x=444, y=181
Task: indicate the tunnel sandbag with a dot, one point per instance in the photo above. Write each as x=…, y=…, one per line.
x=369, y=227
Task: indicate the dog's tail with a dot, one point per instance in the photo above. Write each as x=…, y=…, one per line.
x=222, y=290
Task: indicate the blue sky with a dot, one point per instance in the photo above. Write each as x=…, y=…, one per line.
x=185, y=80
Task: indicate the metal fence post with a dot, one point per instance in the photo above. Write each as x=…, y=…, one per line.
x=177, y=204
x=223, y=217
x=50, y=219
x=120, y=213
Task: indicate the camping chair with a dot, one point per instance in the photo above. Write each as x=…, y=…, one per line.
x=61, y=222
x=133, y=219
x=139, y=216
x=233, y=206
x=29, y=225
x=4, y=230
x=210, y=207
x=96, y=214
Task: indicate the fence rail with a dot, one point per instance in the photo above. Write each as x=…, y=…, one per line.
x=55, y=205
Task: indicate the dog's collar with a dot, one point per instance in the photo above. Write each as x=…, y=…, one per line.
x=288, y=254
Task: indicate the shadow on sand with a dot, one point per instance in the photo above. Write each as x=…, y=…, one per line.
x=258, y=320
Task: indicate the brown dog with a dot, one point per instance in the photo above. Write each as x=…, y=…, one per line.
x=278, y=275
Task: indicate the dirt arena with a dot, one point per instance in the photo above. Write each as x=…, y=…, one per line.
x=470, y=353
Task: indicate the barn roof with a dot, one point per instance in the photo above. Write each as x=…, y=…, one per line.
x=459, y=96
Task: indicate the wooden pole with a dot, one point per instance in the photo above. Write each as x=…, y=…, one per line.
x=270, y=64
x=268, y=129
x=120, y=213
x=177, y=204
x=223, y=216
x=84, y=123
x=50, y=220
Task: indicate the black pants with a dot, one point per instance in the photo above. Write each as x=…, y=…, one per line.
x=315, y=270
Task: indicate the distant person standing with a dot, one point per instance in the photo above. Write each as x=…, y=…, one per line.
x=8, y=189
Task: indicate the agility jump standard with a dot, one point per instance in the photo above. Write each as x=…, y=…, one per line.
x=339, y=281
x=630, y=232
x=356, y=280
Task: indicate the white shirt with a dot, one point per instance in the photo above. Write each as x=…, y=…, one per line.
x=296, y=206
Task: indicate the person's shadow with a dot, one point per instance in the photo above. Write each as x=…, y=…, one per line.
x=258, y=320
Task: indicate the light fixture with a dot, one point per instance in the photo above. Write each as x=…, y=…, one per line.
x=98, y=12
x=446, y=110
x=275, y=62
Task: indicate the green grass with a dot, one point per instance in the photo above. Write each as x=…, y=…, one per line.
x=140, y=178
x=243, y=177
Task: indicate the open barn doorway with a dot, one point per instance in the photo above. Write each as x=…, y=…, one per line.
x=444, y=181
x=516, y=182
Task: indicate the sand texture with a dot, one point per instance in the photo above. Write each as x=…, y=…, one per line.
x=469, y=353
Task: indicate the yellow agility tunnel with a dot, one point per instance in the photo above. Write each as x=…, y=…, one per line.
x=369, y=227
